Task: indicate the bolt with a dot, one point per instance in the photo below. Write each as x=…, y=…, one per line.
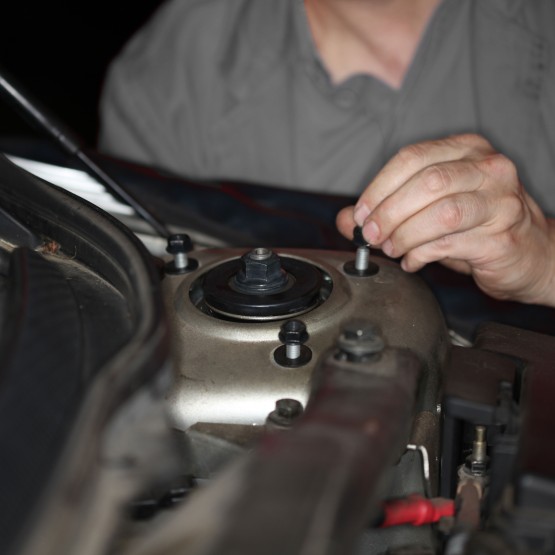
x=477, y=462
x=288, y=408
x=179, y=245
x=361, y=265
x=362, y=259
x=358, y=238
x=260, y=253
x=293, y=334
x=260, y=272
x=479, y=444
x=285, y=414
x=359, y=340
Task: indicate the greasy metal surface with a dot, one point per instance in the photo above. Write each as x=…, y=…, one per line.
x=226, y=370
x=327, y=473
x=315, y=488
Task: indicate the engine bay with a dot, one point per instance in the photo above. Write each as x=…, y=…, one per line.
x=253, y=399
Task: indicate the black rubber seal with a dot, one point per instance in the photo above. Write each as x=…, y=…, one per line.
x=303, y=293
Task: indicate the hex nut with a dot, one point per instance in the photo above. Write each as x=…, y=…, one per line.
x=293, y=332
x=288, y=408
x=358, y=237
x=360, y=339
x=179, y=243
x=285, y=415
x=260, y=272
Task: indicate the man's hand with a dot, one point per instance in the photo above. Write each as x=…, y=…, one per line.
x=460, y=202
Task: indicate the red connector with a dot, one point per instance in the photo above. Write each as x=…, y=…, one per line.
x=416, y=510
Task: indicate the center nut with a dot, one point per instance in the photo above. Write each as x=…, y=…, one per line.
x=262, y=286
x=260, y=273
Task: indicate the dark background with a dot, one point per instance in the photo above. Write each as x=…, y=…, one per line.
x=59, y=52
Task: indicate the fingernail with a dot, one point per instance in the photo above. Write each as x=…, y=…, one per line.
x=387, y=247
x=372, y=232
x=361, y=213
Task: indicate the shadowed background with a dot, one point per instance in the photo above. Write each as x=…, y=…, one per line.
x=60, y=50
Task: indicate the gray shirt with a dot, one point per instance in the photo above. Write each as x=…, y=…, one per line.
x=235, y=89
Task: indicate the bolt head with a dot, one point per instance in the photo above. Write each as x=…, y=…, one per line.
x=360, y=331
x=293, y=332
x=360, y=339
x=288, y=408
x=179, y=243
x=358, y=238
x=285, y=415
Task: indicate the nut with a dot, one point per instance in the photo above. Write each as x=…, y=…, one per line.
x=179, y=243
x=260, y=271
x=288, y=408
x=293, y=332
x=360, y=339
x=358, y=238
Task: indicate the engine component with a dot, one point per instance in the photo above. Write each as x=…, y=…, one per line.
x=286, y=413
x=262, y=286
x=358, y=342
x=293, y=353
x=323, y=477
x=484, y=387
x=179, y=245
x=84, y=332
x=227, y=370
x=361, y=266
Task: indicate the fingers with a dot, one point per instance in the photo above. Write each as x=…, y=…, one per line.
x=430, y=160
x=484, y=212
x=448, y=216
x=423, y=190
x=460, y=247
x=345, y=221
x=459, y=202
x=411, y=160
x=447, y=198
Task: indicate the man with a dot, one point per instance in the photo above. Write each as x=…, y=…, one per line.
x=320, y=95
